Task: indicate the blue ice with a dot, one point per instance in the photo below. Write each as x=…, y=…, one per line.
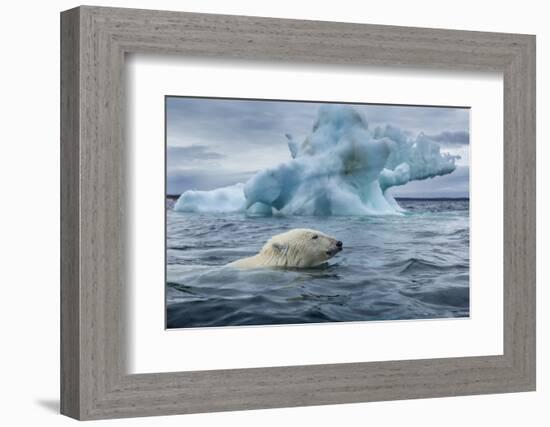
x=341, y=168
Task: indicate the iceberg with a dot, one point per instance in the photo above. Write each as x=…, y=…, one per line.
x=220, y=200
x=341, y=168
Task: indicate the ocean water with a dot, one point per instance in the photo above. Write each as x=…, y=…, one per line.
x=414, y=266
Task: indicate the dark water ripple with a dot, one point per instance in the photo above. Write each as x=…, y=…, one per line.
x=414, y=266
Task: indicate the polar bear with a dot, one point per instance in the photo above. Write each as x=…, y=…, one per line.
x=297, y=248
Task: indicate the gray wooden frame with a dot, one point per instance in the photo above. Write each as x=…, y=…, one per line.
x=94, y=41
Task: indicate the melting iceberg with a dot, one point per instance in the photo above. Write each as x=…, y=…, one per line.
x=225, y=199
x=341, y=168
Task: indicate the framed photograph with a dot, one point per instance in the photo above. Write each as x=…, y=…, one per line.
x=355, y=218
x=262, y=213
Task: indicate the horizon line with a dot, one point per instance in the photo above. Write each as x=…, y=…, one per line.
x=175, y=196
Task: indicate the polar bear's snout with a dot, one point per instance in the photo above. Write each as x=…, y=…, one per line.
x=338, y=246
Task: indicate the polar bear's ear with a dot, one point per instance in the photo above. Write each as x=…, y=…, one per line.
x=279, y=247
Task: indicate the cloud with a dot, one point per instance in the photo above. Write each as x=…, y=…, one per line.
x=416, y=119
x=241, y=124
x=192, y=156
x=451, y=138
x=225, y=138
x=179, y=181
x=193, y=152
x=455, y=184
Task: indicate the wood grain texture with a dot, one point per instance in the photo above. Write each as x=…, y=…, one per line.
x=94, y=380
x=70, y=258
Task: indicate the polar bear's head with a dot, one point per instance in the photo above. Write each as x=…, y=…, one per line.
x=300, y=248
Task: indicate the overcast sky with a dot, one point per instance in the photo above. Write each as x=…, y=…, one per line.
x=213, y=143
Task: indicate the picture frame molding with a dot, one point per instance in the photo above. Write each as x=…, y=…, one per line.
x=94, y=232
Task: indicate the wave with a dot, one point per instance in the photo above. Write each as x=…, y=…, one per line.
x=412, y=265
x=457, y=296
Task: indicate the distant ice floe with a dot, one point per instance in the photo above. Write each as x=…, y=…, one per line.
x=341, y=168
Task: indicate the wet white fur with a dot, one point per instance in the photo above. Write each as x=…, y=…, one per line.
x=293, y=249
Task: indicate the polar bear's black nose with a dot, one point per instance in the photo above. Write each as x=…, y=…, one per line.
x=339, y=243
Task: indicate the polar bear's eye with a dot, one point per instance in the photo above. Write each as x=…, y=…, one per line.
x=315, y=236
